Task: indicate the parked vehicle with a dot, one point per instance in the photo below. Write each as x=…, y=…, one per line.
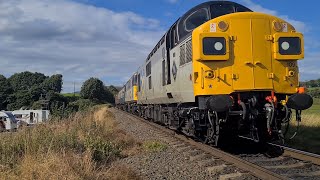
x=32, y=116
x=7, y=121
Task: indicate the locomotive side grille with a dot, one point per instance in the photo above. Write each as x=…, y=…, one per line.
x=182, y=54
x=189, y=51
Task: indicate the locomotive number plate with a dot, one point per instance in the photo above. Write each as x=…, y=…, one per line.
x=292, y=64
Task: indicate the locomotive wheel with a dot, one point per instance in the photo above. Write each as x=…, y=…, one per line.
x=275, y=151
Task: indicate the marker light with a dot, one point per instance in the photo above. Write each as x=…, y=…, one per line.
x=277, y=26
x=223, y=26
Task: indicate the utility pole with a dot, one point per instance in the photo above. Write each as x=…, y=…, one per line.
x=74, y=88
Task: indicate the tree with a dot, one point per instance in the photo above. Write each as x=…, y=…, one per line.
x=93, y=88
x=113, y=89
x=53, y=83
x=108, y=95
x=25, y=80
x=20, y=99
x=5, y=91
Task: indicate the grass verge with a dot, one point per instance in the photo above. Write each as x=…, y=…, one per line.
x=80, y=147
x=308, y=137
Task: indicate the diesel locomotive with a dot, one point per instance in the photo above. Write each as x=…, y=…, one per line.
x=221, y=71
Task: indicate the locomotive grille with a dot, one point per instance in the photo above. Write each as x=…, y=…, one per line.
x=189, y=52
x=182, y=54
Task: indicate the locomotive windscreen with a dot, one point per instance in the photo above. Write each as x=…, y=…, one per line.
x=203, y=13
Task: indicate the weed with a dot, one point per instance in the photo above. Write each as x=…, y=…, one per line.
x=154, y=146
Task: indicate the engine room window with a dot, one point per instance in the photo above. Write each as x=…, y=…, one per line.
x=148, y=69
x=139, y=83
x=196, y=19
x=221, y=9
x=150, y=83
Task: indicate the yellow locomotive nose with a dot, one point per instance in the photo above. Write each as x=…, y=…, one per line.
x=248, y=52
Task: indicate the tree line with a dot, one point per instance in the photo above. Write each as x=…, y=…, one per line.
x=313, y=87
x=310, y=83
x=35, y=91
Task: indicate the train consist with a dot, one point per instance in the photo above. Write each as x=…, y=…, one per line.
x=219, y=72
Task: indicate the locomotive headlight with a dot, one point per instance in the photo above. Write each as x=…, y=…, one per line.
x=218, y=46
x=285, y=45
x=289, y=45
x=214, y=46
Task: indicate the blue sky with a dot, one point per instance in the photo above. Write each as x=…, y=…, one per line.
x=109, y=39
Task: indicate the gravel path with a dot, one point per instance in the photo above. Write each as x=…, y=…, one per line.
x=177, y=161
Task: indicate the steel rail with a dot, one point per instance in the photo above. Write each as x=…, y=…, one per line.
x=299, y=154
x=254, y=169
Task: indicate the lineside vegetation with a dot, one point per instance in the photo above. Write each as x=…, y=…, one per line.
x=308, y=137
x=82, y=146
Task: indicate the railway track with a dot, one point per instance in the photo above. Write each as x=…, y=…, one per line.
x=293, y=164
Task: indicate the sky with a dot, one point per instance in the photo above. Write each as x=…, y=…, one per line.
x=110, y=39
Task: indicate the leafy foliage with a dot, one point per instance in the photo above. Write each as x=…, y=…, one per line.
x=54, y=83
x=94, y=89
x=112, y=90
x=311, y=83
x=5, y=91
x=25, y=89
x=314, y=92
x=25, y=80
x=31, y=90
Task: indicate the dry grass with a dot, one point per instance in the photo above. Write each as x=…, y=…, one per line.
x=311, y=120
x=120, y=172
x=80, y=147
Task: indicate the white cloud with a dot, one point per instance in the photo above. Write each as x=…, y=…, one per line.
x=74, y=39
x=299, y=25
x=309, y=65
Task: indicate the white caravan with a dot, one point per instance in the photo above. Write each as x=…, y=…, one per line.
x=32, y=116
x=7, y=121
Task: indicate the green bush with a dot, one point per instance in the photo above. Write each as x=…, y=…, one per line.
x=102, y=151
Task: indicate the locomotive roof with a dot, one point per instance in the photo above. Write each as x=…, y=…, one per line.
x=209, y=3
x=181, y=31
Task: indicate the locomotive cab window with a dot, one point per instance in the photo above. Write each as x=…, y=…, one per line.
x=242, y=9
x=196, y=19
x=221, y=9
